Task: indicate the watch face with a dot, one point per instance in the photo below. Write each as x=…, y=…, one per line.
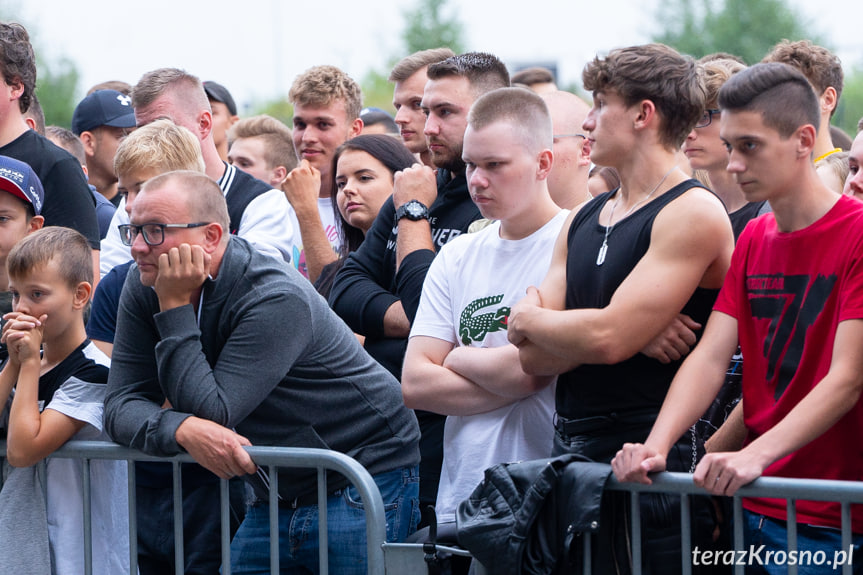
x=415, y=209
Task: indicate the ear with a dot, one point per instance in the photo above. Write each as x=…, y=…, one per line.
x=545, y=162
x=31, y=123
x=205, y=123
x=213, y=234
x=806, y=136
x=36, y=223
x=356, y=128
x=646, y=113
x=278, y=175
x=82, y=295
x=89, y=141
x=15, y=88
x=584, y=156
x=828, y=100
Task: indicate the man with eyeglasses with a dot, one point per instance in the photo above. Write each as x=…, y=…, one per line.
x=567, y=181
x=199, y=313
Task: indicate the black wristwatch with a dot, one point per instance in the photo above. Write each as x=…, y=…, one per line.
x=413, y=210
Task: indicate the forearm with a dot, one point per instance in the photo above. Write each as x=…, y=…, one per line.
x=822, y=407
x=695, y=385
x=440, y=390
x=496, y=369
x=316, y=246
x=396, y=323
x=539, y=362
x=412, y=236
x=8, y=377
x=25, y=421
x=730, y=435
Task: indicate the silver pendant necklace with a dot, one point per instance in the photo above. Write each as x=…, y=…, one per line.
x=603, y=249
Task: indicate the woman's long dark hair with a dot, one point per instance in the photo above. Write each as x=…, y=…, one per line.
x=391, y=153
x=387, y=150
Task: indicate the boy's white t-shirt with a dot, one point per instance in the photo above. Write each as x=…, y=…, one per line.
x=108, y=487
x=469, y=288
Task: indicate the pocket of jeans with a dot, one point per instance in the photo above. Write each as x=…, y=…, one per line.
x=352, y=498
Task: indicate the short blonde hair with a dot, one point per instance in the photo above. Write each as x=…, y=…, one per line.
x=163, y=146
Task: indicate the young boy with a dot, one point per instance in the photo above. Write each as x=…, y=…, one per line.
x=794, y=298
x=458, y=361
x=58, y=395
x=262, y=146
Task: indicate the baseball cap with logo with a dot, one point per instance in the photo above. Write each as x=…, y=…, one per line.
x=103, y=108
x=21, y=181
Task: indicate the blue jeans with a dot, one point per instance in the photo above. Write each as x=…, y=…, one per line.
x=817, y=547
x=346, y=522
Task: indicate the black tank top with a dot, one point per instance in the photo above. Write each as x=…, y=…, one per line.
x=639, y=383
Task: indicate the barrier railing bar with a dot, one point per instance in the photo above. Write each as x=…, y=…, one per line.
x=685, y=535
x=636, y=532
x=274, y=520
x=738, y=530
x=323, y=541
x=88, y=519
x=847, y=568
x=791, y=524
x=225, y=527
x=133, y=516
x=586, y=566
x=179, y=554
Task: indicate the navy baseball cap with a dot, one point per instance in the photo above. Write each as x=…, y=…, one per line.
x=103, y=108
x=219, y=93
x=21, y=181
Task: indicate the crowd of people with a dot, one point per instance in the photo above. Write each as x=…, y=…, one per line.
x=666, y=278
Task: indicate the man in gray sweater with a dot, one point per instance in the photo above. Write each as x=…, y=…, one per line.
x=219, y=347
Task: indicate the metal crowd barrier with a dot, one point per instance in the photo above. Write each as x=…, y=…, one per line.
x=265, y=457
x=404, y=558
x=843, y=492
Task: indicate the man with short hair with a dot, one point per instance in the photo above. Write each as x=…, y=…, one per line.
x=327, y=104
x=68, y=201
x=458, y=362
x=409, y=76
x=823, y=70
x=224, y=115
x=377, y=291
x=72, y=144
x=258, y=212
x=263, y=147
x=197, y=316
x=567, y=182
x=624, y=267
x=101, y=120
x=796, y=311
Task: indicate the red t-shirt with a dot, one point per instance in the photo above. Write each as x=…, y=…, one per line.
x=788, y=292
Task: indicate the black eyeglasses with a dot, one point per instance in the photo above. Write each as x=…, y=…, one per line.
x=154, y=234
x=707, y=117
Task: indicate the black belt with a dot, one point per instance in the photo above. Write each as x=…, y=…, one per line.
x=587, y=425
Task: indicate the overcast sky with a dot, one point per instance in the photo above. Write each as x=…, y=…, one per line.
x=256, y=47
